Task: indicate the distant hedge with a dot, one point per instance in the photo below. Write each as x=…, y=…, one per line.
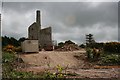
x=109, y=46
x=11, y=41
x=112, y=47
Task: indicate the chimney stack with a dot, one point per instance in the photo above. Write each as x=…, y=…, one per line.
x=38, y=17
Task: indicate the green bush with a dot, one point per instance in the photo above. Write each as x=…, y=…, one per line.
x=8, y=69
x=9, y=48
x=82, y=46
x=94, y=54
x=113, y=47
x=89, y=53
x=7, y=57
x=112, y=59
x=18, y=49
x=57, y=74
x=16, y=74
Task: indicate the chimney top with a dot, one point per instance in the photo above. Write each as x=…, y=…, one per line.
x=38, y=21
x=38, y=10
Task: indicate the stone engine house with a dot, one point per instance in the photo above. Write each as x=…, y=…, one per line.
x=44, y=36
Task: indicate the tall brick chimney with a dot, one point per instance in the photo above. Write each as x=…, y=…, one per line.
x=38, y=19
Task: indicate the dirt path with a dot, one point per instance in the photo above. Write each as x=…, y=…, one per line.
x=75, y=60
x=52, y=58
x=97, y=73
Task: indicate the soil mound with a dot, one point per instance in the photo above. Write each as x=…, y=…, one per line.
x=69, y=47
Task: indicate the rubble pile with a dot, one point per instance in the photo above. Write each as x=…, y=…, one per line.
x=69, y=47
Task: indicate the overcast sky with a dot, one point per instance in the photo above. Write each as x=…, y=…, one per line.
x=69, y=20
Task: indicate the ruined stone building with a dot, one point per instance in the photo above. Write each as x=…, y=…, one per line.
x=0, y=21
x=44, y=36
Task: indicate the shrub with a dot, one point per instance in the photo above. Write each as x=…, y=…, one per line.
x=82, y=46
x=8, y=67
x=61, y=44
x=7, y=57
x=69, y=42
x=18, y=49
x=16, y=74
x=89, y=53
x=9, y=48
x=113, y=47
x=94, y=54
x=57, y=74
x=112, y=59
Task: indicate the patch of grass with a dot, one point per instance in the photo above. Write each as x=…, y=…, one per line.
x=16, y=74
x=8, y=69
x=7, y=57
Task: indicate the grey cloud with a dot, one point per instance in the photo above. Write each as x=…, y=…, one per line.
x=61, y=1
x=104, y=13
x=68, y=20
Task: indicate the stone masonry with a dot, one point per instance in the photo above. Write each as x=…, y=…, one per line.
x=44, y=36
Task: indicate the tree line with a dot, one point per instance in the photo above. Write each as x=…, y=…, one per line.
x=109, y=46
x=11, y=41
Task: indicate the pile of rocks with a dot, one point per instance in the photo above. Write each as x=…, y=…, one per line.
x=69, y=47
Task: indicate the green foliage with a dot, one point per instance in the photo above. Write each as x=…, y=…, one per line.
x=61, y=44
x=109, y=54
x=89, y=53
x=21, y=75
x=57, y=74
x=22, y=39
x=113, y=47
x=59, y=68
x=12, y=49
x=82, y=46
x=16, y=74
x=49, y=75
x=11, y=41
x=96, y=45
x=104, y=58
x=8, y=69
x=7, y=60
x=9, y=49
x=110, y=59
x=69, y=42
x=72, y=74
x=93, y=54
x=7, y=57
x=18, y=49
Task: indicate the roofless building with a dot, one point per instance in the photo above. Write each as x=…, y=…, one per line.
x=43, y=36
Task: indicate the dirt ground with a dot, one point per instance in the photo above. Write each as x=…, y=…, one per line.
x=73, y=61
